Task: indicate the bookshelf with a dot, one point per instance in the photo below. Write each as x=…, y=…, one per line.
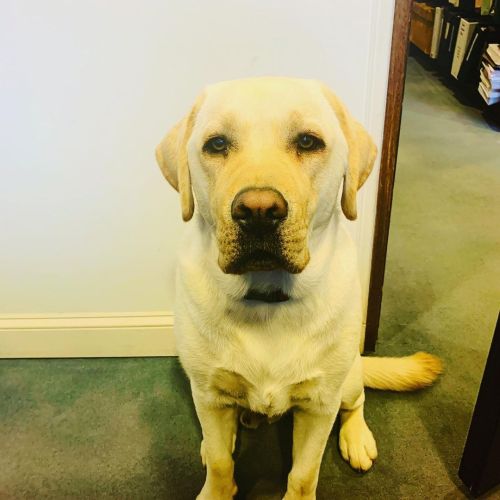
x=459, y=40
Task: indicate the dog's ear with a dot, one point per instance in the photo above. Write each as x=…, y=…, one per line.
x=361, y=155
x=171, y=155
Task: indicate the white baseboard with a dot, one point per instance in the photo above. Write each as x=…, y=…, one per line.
x=87, y=335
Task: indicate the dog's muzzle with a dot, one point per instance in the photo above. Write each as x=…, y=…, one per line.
x=259, y=214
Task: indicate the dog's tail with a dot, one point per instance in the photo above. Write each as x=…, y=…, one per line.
x=401, y=374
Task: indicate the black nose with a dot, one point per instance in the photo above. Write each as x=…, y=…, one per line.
x=259, y=209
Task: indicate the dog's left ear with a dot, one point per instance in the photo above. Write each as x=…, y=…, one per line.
x=361, y=155
x=172, y=158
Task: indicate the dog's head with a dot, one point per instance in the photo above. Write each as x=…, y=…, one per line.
x=264, y=159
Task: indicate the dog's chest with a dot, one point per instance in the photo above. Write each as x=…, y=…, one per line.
x=267, y=395
x=269, y=377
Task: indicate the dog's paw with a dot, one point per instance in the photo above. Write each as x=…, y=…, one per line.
x=357, y=444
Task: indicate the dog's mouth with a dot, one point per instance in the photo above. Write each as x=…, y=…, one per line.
x=268, y=296
x=241, y=253
x=260, y=260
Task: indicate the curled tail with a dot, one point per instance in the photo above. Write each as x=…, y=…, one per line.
x=401, y=374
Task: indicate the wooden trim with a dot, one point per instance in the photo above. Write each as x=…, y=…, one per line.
x=395, y=91
x=479, y=467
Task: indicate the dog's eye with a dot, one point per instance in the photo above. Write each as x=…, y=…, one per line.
x=309, y=142
x=218, y=144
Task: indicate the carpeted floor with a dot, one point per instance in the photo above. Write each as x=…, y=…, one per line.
x=126, y=428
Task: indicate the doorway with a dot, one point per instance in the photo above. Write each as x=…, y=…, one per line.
x=440, y=277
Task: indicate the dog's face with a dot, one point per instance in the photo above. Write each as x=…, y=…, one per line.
x=265, y=158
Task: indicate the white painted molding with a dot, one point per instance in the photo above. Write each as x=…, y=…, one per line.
x=88, y=335
x=70, y=335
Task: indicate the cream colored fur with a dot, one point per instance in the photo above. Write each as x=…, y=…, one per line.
x=302, y=354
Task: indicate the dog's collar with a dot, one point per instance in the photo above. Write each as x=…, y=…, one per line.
x=270, y=296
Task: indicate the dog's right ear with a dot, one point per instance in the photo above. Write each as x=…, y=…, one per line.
x=361, y=155
x=171, y=155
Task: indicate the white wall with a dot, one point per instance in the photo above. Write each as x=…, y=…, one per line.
x=87, y=89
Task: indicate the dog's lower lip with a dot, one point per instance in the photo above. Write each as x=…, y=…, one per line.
x=259, y=260
x=270, y=296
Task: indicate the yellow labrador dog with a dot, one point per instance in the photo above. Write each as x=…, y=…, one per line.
x=268, y=313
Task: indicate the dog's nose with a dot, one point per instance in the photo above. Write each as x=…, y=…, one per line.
x=259, y=209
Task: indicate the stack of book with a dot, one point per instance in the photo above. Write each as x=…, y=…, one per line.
x=489, y=84
x=463, y=39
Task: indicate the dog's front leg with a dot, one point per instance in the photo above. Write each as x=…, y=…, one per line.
x=219, y=426
x=310, y=434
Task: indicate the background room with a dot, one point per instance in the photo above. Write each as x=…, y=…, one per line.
x=442, y=270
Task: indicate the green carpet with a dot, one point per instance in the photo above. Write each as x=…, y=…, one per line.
x=126, y=428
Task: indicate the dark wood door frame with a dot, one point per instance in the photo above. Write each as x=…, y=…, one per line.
x=480, y=465
x=395, y=91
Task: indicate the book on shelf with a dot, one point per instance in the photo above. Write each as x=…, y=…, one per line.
x=486, y=7
x=493, y=52
x=488, y=62
x=490, y=72
x=483, y=35
x=488, y=81
x=490, y=96
x=451, y=22
x=466, y=31
x=489, y=75
x=470, y=65
x=436, y=31
x=422, y=23
x=469, y=5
